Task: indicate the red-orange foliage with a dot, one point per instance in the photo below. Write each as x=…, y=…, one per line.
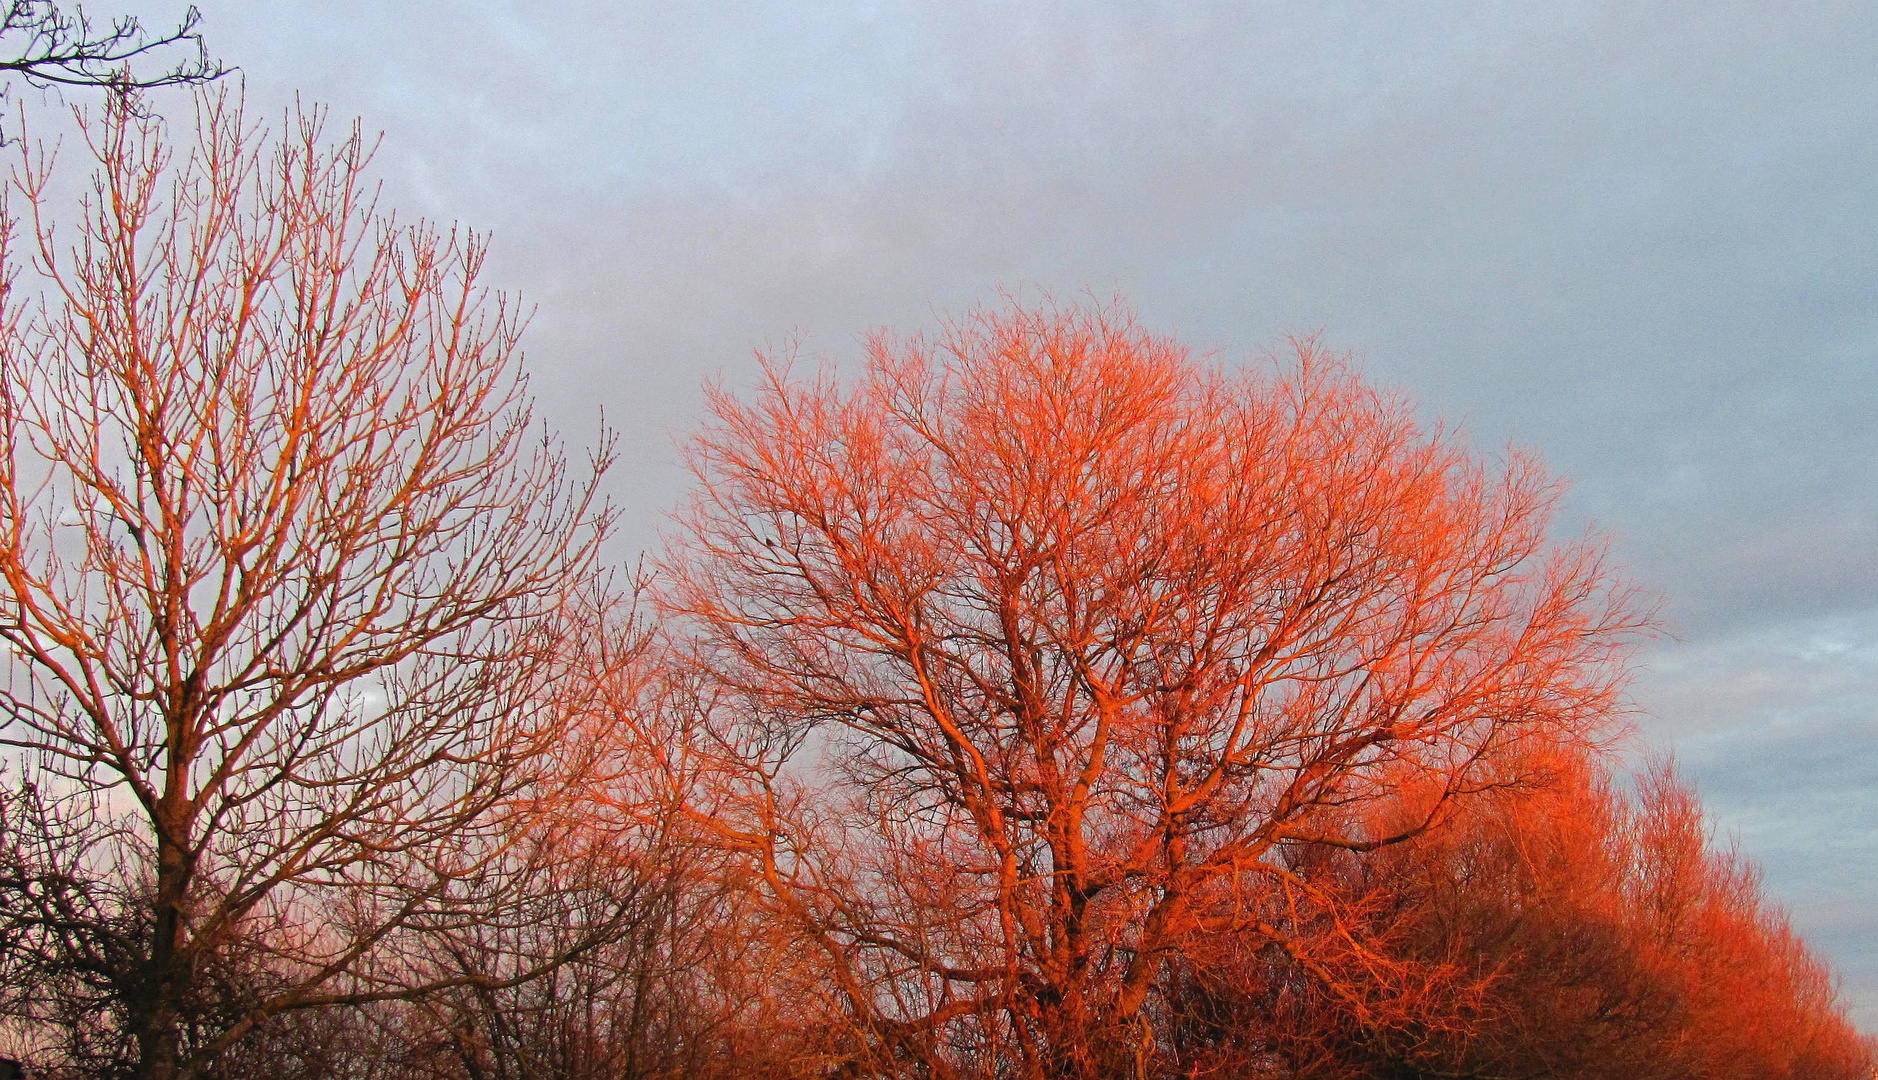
x=1050, y=647
x=1570, y=931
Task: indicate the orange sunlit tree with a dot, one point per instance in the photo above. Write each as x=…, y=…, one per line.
x=282, y=565
x=1043, y=646
x=1583, y=928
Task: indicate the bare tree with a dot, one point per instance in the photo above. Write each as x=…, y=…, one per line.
x=675, y=984
x=1594, y=930
x=1048, y=646
x=283, y=565
x=48, y=46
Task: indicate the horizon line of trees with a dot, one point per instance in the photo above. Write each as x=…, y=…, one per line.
x=1040, y=703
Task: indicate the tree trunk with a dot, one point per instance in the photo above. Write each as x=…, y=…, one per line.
x=157, y=1019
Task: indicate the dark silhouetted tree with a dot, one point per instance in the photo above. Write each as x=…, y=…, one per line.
x=48, y=46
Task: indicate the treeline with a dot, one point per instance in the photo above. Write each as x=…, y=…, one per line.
x=1040, y=703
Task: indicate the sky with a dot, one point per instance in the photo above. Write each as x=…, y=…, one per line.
x=1638, y=239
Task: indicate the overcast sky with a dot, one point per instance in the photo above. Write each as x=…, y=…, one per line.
x=1641, y=239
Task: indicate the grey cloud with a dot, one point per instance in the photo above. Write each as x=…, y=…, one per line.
x=1638, y=238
